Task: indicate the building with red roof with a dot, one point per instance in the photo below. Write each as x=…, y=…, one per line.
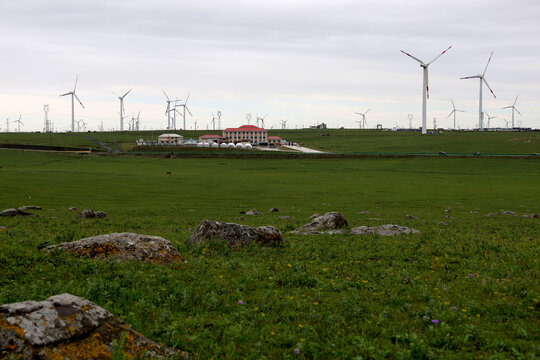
x=275, y=140
x=246, y=133
x=210, y=138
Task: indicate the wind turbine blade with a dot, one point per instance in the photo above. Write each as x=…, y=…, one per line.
x=461, y=111
x=492, y=93
x=69, y=93
x=187, y=98
x=165, y=95
x=188, y=111
x=265, y=116
x=420, y=61
x=127, y=93
x=367, y=111
x=515, y=101
x=76, y=97
x=427, y=83
x=453, y=111
x=168, y=108
x=517, y=111
x=20, y=116
x=487, y=63
x=76, y=79
x=507, y=107
x=454, y=106
x=470, y=77
x=439, y=55
x=358, y=113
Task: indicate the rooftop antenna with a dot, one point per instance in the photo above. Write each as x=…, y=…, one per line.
x=410, y=118
x=454, y=112
x=47, y=122
x=362, y=123
x=20, y=123
x=248, y=118
x=482, y=79
x=121, y=98
x=513, y=107
x=425, y=91
x=73, y=97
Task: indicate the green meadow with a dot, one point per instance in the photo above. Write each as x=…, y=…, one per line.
x=331, y=140
x=467, y=287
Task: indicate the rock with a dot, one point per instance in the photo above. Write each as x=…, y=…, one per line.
x=30, y=207
x=503, y=212
x=240, y=218
x=442, y=223
x=73, y=208
x=449, y=217
x=384, y=230
x=69, y=327
x=316, y=215
x=474, y=212
x=14, y=212
x=365, y=212
x=411, y=217
x=123, y=247
x=273, y=210
x=532, y=216
x=286, y=217
x=91, y=214
x=235, y=234
x=254, y=212
x=329, y=221
x=448, y=211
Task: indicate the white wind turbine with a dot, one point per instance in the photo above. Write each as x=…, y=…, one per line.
x=260, y=121
x=362, y=123
x=454, y=112
x=284, y=124
x=425, y=91
x=73, y=97
x=20, y=123
x=489, y=119
x=513, y=107
x=121, y=98
x=482, y=79
x=184, y=108
x=168, y=111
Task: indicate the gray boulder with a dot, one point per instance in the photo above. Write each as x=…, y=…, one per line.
x=14, y=212
x=254, y=212
x=384, y=230
x=69, y=327
x=123, y=247
x=329, y=221
x=30, y=207
x=235, y=234
x=316, y=215
x=91, y=214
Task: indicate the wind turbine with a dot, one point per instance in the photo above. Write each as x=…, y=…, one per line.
x=513, y=107
x=506, y=121
x=284, y=124
x=260, y=121
x=121, y=98
x=454, y=112
x=214, y=122
x=482, y=79
x=20, y=122
x=184, y=106
x=489, y=119
x=73, y=97
x=168, y=111
x=362, y=123
x=425, y=91
x=7, y=125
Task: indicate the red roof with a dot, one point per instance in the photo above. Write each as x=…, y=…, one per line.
x=245, y=128
x=274, y=137
x=210, y=136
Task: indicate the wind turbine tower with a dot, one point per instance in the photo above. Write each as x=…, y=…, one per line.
x=47, y=122
x=454, y=112
x=425, y=91
x=121, y=98
x=73, y=97
x=219, y=119
x=184, y=106
x=410, y=118
x=482, y=80
x=20, y=122
x=248, y=118
x=284, y=124
x=513, y=107
x=168, y=111
x=489, y=119
x=7, y=125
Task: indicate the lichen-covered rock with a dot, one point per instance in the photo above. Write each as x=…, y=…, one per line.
x=254, y=212
x=384, y=230
x=235, y=234
x=69, y=327
x=14, y=212
x=123, y=247
x=329, y=221
x=29, y=207
x=91, y=214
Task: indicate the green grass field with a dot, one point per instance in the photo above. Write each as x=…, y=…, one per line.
x=340, y=296
x=338, y=141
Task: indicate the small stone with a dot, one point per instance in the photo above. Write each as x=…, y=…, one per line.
x=286, y=217
x=273, y=210
x=73, y=208
x=411, y=217
x=91, y=214
x=532, y=216
x=254, y=212
x=442, y=223
x=365, y=212
x=329, y=221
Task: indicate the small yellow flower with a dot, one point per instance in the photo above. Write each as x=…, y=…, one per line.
x=464, y=310
x=365, y=281
x=289, y=265
x=221, y=276
x=270, y=277
x=325, y=269
x=316, y=303
x=447, y=303
x=300, y=325
x=272, y=333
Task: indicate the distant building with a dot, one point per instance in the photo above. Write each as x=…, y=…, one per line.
x=246, y=133
x=275, y=140
x=170, y=139
x=210, y=138
x=318, y=126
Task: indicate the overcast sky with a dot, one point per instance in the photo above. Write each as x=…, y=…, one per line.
x=305, y=61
